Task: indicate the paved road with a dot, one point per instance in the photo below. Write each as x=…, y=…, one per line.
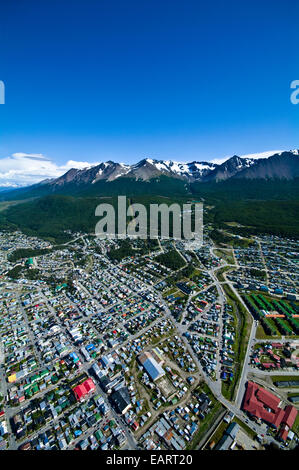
x=214, y=385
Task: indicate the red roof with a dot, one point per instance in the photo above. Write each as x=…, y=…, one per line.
x=268, y=399
x=290, y=415
x=283, y=434
x=86, y=387
x=278, y=417
x=256, y=399
x=267, y=365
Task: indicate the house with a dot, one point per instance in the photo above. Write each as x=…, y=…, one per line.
x=86, y=388
x=229, y=437
x=135, y=426
x=3, y=428
x=262, y=404
x=290, y=416
x=151, y=365
x=121, y=400
x=265, y=405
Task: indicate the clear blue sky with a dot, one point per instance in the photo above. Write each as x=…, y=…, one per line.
x=123, y=79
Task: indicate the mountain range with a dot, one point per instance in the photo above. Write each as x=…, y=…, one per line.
x=150, y=176
x=261, y=194
x=281, y=165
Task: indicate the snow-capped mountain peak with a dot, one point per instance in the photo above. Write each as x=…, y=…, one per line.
x=262, y=165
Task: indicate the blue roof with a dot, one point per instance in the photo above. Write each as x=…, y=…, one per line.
x=153, y=368
x=73, y=355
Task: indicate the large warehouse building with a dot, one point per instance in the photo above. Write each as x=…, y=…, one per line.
x=152, y=363
x=264, y=405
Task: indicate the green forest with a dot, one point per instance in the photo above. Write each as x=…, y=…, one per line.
x=171, y=260
x=259, y=206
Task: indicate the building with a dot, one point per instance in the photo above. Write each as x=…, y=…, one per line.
x=85, y=354
x=264, y=405
x=151, y=362
x=121, y=400
x=84, y=389
x=29, y=263
x=289, y=416
x=294, y=399
x=228, y=439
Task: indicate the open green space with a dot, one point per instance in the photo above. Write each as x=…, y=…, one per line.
x=243, y=323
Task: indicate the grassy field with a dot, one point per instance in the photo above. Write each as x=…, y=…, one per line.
x=6, y=204
x=227, y=255
x=219, y=432
x=295, y=427
x=219, y=273
x=260, y=333
x=277, y=332
x=283, y=378
x=243, y=323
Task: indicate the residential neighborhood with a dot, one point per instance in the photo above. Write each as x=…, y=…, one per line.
x=103, y=354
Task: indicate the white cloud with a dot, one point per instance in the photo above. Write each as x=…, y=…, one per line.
x=267, y=154
x=79, y=165
x=28, y=168
x=31, y=156
x=218, y=161
x=9, y=185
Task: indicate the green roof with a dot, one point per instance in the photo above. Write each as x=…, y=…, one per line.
x=98, y=435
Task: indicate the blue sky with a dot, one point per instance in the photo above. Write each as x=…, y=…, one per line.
x=89, y=81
